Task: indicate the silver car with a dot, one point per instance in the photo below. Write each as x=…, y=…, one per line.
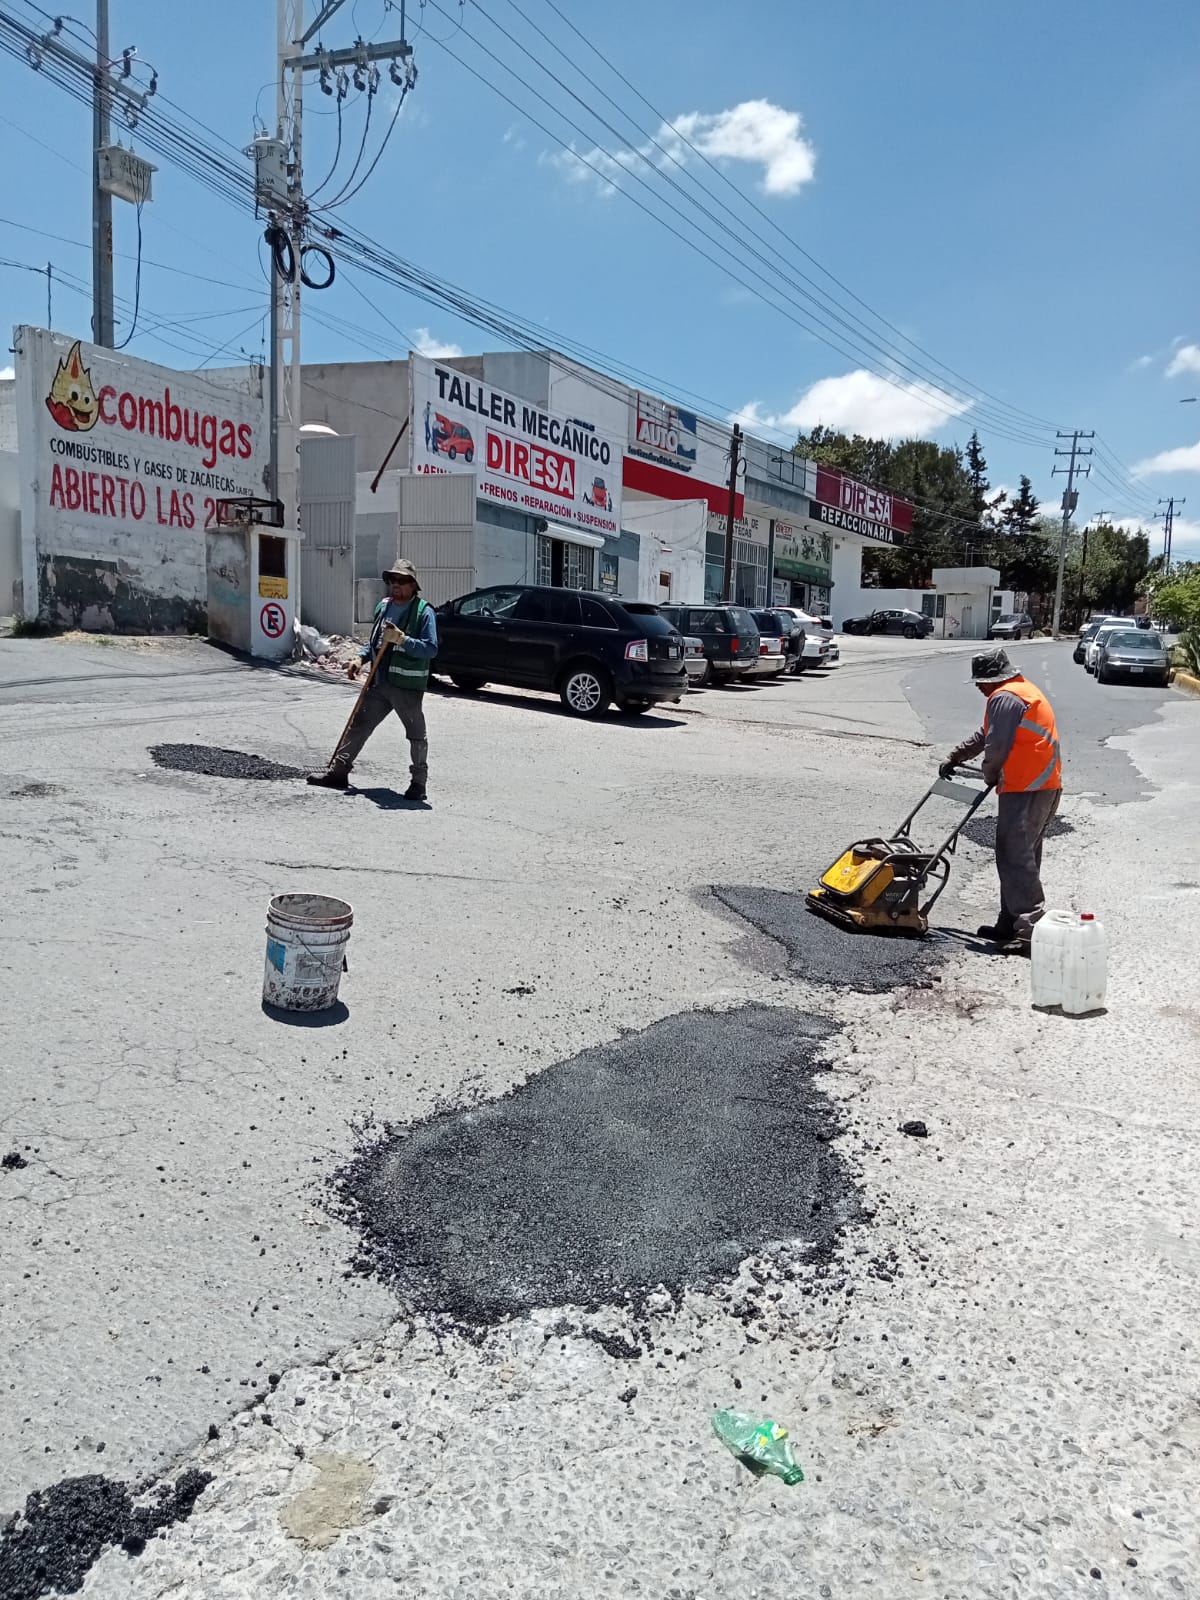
x=695, y=662
x=1132, y=653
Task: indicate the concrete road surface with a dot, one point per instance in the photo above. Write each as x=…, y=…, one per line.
x=370, y=1326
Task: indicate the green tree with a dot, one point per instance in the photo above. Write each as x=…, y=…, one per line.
x=1019, y=515
x=1176, y=596
x=983, y=502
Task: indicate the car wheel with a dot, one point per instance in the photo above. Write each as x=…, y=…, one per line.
x=909, y=631
x=635, y=708
x=585, y=690
x=468, y=456
x=452, y=453
x=1101, y=675
x=467, y=682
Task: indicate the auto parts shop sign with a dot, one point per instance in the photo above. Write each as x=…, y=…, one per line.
x=564, y=467
x=119, y=443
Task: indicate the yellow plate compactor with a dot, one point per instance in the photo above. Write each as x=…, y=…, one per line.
x=890, y=885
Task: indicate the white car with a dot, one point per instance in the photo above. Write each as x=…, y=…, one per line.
x=1092, y=648
x=695, y=662
x=772, y=657
x=818, y=649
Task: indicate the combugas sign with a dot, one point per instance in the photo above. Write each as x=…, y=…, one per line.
x=562, y=464
x=116, y=443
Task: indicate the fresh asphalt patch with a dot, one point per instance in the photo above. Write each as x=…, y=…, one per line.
x=982, y=830
x=660, y=1160
x=50, y=1546
x=210, y=761
x=820, y=952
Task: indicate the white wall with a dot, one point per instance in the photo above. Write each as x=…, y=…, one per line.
x=846, y=571
x=10, y=531
x=671, y=536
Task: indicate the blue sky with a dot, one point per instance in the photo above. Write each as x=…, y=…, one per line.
x=1011, y=186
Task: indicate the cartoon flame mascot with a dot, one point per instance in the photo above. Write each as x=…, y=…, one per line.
x=72, y=400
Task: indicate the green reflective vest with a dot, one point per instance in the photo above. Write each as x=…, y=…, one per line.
x=405, y=671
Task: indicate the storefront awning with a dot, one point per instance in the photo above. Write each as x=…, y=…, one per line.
x=555, y=530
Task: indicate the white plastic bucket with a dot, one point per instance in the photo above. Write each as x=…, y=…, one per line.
x=307, y=935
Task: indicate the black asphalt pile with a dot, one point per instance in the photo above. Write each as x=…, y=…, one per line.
x=50, y=1546
x=820, y=952
x=982, y=830
x=213, y=762
x=665, y=1157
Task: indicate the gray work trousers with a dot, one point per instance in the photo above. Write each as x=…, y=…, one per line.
x=1020, y=828
x=379, y=700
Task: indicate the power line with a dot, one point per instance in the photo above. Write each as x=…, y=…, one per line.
x=766, y=217
x=823, y=307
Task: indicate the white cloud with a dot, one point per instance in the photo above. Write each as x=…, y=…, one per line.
x=756, y=131
x=1140, y=363
x=861, y=402
x=1185, y=359
x=1185, y=459
x=428, y=344
x=7, y=372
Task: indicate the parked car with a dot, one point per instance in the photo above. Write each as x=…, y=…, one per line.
x=589, y=648
x=835, y=653
x=1092, y=648
x=776, y=623
x=1133, y=653
x=772, y=658
x=911, y=624
x=695, y=662
x=1087, y=633
x=812, y=647
x=1012, y=625
x=729, y=636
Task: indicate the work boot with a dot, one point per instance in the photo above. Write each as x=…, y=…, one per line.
x=997, y=933
x=329, y=780
x=416, y=793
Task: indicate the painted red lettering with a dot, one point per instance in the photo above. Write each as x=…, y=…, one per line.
x=245, y=435
x=137, y=501
x=57, y=494
x=106, y=397
x=107, y=486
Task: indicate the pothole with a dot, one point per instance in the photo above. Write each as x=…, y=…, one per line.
x=35, y=791
x=982, y=830
x=662, y=1159
x=211, y=761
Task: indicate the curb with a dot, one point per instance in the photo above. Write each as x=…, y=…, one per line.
x=1186, y=682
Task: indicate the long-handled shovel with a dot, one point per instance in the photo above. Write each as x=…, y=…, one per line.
x=362, y=695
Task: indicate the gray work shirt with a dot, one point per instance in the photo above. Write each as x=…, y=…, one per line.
x=995, y=739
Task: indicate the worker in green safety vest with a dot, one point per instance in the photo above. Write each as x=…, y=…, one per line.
x=403, y=643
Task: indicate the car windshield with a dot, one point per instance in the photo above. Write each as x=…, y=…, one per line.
x=1007, y=617
x=1142, y=639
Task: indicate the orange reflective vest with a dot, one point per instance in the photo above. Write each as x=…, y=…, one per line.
x=1035, y=761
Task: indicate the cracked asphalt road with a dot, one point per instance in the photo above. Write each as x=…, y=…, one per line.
x=989, y=1388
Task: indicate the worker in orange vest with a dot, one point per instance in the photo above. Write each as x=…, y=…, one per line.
x=1021, y=757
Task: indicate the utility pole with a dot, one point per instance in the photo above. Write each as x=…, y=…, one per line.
x=735, y=450
x=1168, y=520
x=115, y=169
x=1099, y=519
x=279, y=165
x=1070, y=500
x=102, y=239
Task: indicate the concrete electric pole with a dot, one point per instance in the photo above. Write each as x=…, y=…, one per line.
x=735, y=450
x=1070, y=500
x=115, y=169
x=279, y=190
x=1168, y=521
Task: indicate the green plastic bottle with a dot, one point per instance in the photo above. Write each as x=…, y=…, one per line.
x=758, y=1443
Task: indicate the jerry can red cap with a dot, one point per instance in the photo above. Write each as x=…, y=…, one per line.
x=1087, y=916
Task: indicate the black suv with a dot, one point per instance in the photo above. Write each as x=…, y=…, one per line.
x=590, y=648
x=729, y=636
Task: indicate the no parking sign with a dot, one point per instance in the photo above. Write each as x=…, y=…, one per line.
x=273, y=620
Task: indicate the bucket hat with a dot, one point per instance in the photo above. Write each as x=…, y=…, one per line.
x=402, y=569
x=992, y=666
